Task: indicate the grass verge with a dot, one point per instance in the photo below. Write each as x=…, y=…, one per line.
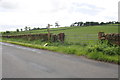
x=100, y=52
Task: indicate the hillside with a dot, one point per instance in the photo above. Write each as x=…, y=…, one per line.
x=75, y=34
x=77, y=29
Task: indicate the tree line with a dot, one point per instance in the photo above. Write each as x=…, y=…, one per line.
x=28, y=28
x=92, y=23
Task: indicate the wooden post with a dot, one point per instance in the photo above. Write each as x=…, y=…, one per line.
x=48, y=29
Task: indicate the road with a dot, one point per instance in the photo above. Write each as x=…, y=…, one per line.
x=23, y=62
x=0, y=61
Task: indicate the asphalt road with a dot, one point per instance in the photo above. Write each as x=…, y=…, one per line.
x=0, y=61
x=23, y=62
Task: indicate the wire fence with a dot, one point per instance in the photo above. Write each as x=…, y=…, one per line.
x=77, y=34
x=72, y=34
x=81, y=38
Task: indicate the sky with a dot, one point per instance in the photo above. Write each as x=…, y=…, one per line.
x=38, y=13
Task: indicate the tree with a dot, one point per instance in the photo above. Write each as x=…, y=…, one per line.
x=79, y=23
x=7, y=31
x=29, y=28
x=56, y=24
x=75, y=24
x=38, y=28
x=34, y=28
x=17, y=30
x=87, y=24
x=26, y=28
x=96, y=23
x=72, y=25
x=21, y=29
x=102, y=23
x=117, y=22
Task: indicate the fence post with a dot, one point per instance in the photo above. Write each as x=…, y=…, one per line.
x=61, y=37
x=48, y=29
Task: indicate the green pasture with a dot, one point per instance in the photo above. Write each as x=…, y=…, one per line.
x=77, y=34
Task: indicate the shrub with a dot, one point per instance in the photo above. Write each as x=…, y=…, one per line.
x=111, y=51
x=104, y=48
x=7, y=31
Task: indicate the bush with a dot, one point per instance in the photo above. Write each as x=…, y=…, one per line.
x=111, y=51
x=7, y=31
x=104, y=48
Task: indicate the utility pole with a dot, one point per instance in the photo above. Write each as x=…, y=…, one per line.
x=48, y=29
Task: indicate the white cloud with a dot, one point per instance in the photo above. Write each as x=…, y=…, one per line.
x=42, y=12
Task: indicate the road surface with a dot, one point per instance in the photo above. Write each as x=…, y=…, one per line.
x=23, y=62
x=0, y=61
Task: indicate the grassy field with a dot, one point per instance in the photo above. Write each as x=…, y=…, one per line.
x=86, y=38
x=76, y=34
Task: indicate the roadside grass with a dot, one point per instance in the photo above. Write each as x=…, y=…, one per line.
x=96, y=51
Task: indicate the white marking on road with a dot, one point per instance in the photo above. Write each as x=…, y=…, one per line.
x=21, y=47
